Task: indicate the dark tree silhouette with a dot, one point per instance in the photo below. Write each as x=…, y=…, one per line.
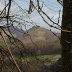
x=66, y=36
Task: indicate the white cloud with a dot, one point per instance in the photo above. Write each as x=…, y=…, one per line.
x=51, y=14
x=1, y=6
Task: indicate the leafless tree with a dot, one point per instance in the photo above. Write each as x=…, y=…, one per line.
x=65, y=29
x=66, y=36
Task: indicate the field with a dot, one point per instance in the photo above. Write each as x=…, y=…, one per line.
x=40, y=63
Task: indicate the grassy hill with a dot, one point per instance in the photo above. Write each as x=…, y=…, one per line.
x=42, y=39
x=38, y=40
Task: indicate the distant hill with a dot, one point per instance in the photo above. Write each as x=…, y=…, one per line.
x=38, y=39
x=46, y=41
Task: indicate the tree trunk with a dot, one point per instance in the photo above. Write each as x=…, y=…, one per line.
x=66, y=36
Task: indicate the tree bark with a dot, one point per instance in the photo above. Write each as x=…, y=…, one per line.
x=66, y=36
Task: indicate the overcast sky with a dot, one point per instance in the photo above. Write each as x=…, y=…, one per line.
x=51, y=8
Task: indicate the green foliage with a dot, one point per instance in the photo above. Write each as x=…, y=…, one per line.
x=1, y=42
